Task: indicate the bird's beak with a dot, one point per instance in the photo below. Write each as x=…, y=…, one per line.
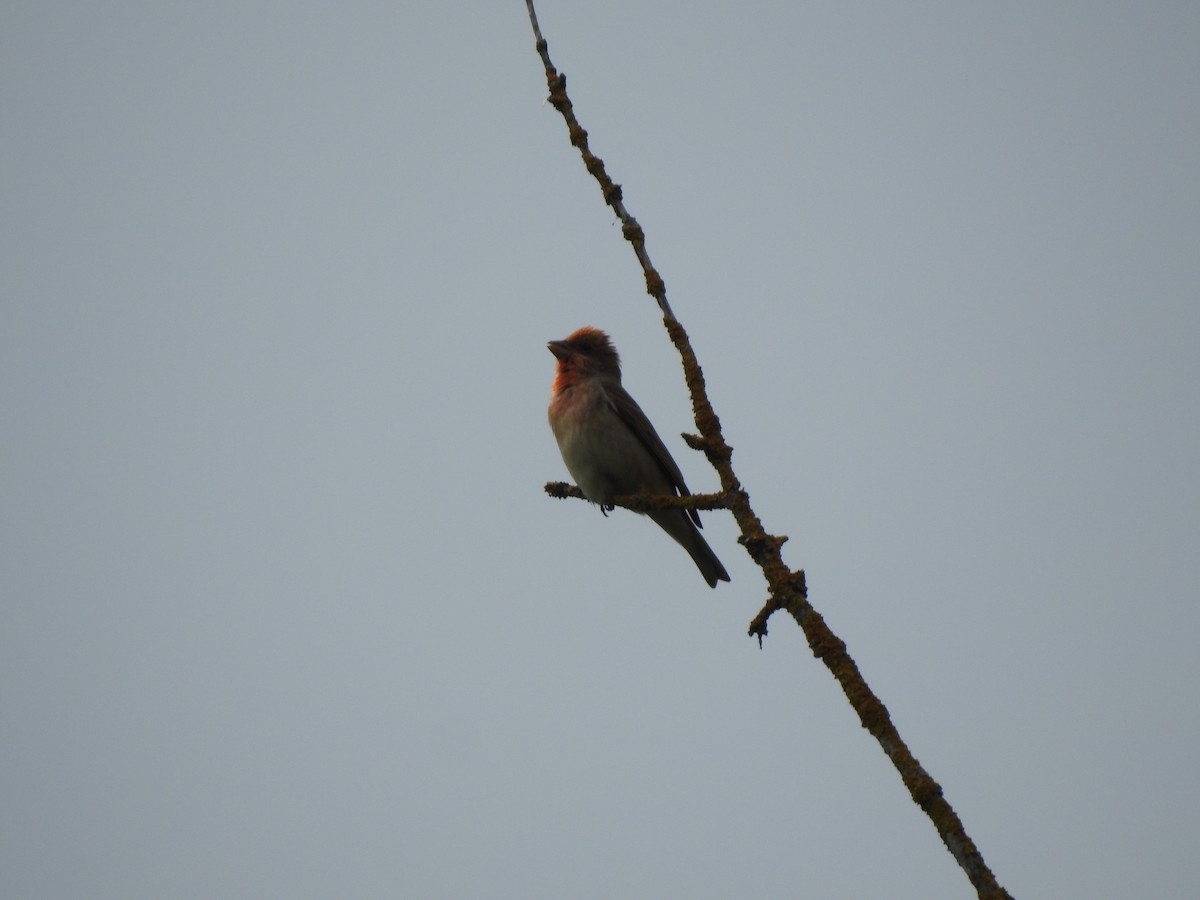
x=559, y=349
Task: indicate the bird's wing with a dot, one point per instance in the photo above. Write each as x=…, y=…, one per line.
x=631, y=414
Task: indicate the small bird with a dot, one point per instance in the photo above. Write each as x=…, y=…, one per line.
x=610, y=447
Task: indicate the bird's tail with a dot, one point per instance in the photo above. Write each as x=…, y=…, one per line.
x=677, y=524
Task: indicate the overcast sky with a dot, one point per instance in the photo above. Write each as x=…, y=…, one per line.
x=284, y=610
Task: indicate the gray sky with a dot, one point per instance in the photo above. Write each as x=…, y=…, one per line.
x=285, y=612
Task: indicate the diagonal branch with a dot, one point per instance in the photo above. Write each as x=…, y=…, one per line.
x=787, y=589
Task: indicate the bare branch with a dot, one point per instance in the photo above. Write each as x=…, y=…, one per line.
x=641, y=503
x=787, y=589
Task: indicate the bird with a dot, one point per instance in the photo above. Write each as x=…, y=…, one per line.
x=609, y=446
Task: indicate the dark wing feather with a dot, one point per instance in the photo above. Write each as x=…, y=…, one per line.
x=631, y=414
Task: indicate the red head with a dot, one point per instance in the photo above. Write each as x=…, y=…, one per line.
x=587, y=352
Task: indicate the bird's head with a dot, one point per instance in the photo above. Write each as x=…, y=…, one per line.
x=587, y=351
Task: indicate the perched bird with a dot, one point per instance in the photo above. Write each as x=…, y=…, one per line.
x=610, y=447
